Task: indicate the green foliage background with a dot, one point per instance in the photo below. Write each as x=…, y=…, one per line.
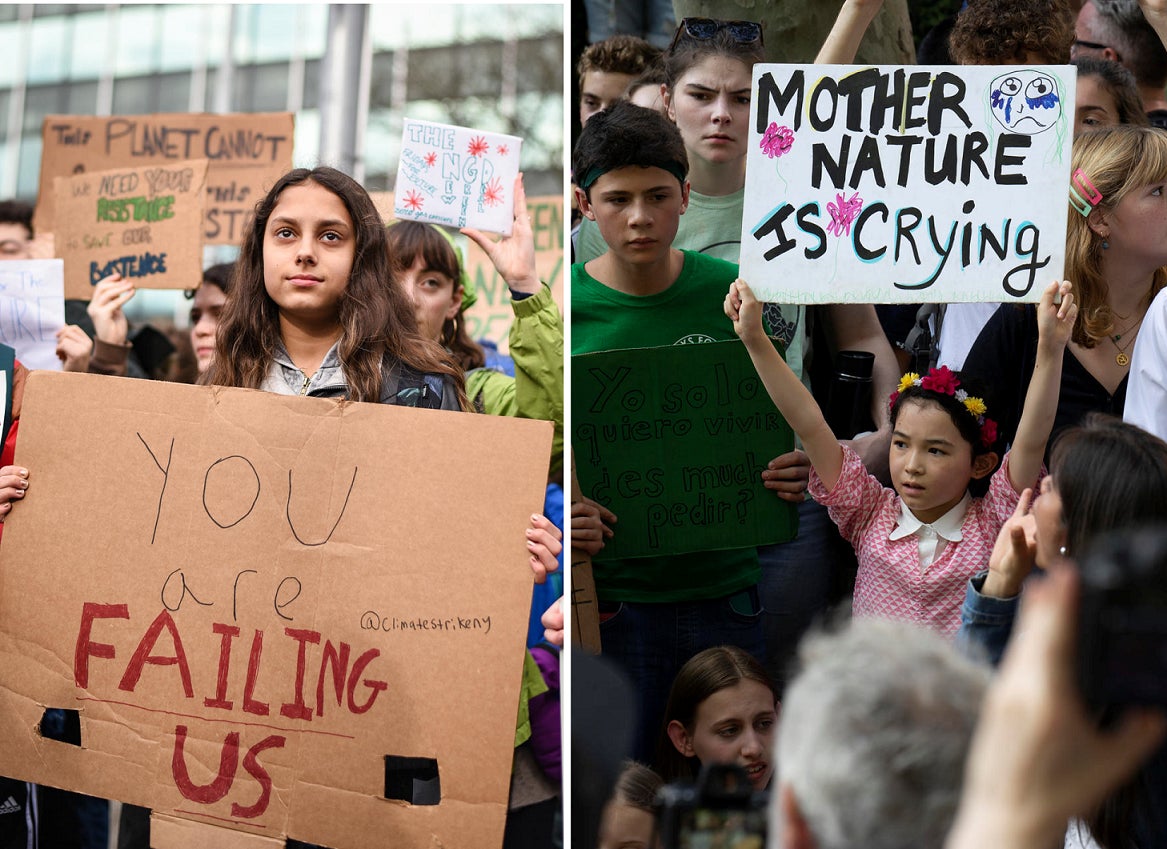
x=925, y=14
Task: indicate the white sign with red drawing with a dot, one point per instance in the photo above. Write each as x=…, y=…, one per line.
x=457, y=176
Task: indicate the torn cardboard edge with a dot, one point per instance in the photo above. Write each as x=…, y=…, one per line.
x=171, y=832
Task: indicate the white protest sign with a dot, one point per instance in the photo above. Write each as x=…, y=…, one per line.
x=457, y=176
x=898, y=184
x=32, y=309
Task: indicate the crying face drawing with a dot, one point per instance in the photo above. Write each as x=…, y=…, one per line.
x=1025, y=102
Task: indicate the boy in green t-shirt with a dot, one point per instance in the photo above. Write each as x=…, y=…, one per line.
x=630, y=167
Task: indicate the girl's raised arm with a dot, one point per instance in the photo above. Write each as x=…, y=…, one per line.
x=536, y=334
x=792, y=399
x=1155, y=13
x=845, y=36
x=1055, y=322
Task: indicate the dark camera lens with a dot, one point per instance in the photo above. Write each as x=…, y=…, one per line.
x=1122, y=632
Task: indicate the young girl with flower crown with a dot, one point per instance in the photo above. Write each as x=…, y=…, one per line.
x=918, y=543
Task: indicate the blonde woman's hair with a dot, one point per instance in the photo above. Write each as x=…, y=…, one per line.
x=1117, y=161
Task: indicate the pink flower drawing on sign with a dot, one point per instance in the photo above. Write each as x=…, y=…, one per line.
x=492, y=192
x=843, y=214
x=413, y=200
x=431, y=158
x=503, y=150
x=478, y=146
x=777, y=140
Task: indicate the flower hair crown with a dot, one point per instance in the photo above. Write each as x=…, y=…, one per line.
x=945, y=382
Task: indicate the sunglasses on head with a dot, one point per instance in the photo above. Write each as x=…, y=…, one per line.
x=703, y=29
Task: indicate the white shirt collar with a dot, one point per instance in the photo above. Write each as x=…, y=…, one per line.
x=947, y=527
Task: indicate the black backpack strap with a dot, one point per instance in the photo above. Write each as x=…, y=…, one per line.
x=415, y=389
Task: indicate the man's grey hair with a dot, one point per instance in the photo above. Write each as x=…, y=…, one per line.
x=1122, y=26
x=874, y=733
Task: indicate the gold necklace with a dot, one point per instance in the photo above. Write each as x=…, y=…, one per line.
x=1130, y=327
x=1121, y=358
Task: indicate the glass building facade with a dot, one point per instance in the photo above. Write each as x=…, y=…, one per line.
x=489, y=66
x=494, y=67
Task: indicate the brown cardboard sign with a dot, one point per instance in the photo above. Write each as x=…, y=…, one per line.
x=145, y=223
x=248, y=152
x=285, y=616
x=585, y=605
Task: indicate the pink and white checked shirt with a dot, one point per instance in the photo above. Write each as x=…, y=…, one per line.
x=890, y=582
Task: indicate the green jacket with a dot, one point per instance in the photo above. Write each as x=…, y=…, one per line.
x=536, y=390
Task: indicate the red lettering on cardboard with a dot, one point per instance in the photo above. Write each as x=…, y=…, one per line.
x=142, y=655
x=339, y=663
x=253, y=767
x=250, y=704
x=297, y=709
x=206, y=794
x=375, y=687
x=86, y=648
x=228, y=632
x=336, y=676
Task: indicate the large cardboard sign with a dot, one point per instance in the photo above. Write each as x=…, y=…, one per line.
x=896, y=184
x=678, y=437
x=457, y=176
x=248, y=152
x=273, y=614
x=145, y=223
x=490, y=317
x=32, y=309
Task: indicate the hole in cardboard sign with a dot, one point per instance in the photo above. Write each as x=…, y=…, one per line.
x=414, y=780
x=61, y=724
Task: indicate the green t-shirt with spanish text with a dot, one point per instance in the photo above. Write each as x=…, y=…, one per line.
x=687, y=312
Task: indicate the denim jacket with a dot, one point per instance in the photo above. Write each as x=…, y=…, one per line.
x=985, y=622
x=401, y=385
